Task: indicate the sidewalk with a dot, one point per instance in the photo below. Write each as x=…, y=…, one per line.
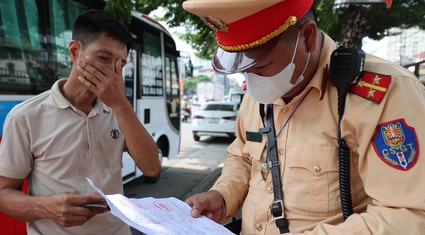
x=206, y=183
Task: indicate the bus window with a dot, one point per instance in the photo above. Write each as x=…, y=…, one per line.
x=20, y=46
x=152, y=84
x=34, y=52
x=172, y=88
x=129, y=72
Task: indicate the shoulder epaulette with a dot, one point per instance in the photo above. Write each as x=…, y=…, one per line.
x=372, y=86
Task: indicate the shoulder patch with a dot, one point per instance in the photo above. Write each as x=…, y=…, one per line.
x=396, y=144
x=372, y=86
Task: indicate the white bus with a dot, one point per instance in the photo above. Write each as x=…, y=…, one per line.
x=152, y=86
x=33, y=54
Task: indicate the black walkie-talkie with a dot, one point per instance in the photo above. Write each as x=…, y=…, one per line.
x=346, y=66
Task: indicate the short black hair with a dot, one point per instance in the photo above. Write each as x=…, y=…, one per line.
x=91, y=23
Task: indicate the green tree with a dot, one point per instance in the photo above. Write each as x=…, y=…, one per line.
x=347, y=26
x=190, y=83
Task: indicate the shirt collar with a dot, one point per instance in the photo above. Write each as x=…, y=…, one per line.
x=62, y=103
x=320, y=78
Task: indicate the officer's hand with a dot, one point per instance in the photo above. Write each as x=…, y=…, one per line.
x=105, y=82
x=210, y=204
x=65, y=208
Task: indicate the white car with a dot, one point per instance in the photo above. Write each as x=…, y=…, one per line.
x=215, y=118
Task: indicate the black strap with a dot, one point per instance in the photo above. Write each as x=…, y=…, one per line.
x=276, y=208
x=262, y=113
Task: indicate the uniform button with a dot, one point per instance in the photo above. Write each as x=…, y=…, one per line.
x=285, y=110
x=259, y=227
x=316, y=168
x=281, y=151
x=270, y=190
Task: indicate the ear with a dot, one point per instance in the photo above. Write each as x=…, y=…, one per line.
x=309, y=31
x=73, y=50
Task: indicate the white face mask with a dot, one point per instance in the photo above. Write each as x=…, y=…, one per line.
x=268, y=89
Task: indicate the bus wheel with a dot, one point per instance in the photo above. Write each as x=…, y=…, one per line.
x=154, y=179
x=196, y=137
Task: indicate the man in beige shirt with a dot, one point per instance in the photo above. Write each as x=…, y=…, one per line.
x=78, y=129
x=285, y=59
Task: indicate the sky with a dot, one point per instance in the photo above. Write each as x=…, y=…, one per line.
x=185, y=47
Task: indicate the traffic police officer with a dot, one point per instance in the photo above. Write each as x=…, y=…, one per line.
x=285, y=59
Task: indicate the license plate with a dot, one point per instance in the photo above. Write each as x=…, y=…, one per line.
x=213, y=121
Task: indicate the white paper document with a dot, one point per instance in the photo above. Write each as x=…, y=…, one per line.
x=165, y=216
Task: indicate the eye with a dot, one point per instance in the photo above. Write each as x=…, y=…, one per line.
x=263, y=67
x=103, y=58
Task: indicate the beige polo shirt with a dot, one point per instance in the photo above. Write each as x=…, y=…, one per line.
x=388, y=194
x=56, y=146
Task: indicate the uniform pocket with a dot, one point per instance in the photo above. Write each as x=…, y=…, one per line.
x=311, y=180
x=256, y=152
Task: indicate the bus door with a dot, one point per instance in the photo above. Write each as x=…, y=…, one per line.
x=130, y=78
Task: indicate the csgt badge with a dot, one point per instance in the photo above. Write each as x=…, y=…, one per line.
x=396, y=144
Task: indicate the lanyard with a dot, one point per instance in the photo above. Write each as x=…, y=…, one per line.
x=287, y=120
x=276, y=208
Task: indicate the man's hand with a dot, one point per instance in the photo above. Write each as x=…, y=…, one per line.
x=106, y=83
x=211, y=204
x=67, y=209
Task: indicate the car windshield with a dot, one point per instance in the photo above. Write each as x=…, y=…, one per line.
x=218, y=107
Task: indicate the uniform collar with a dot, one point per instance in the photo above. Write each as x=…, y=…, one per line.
x=320, y=78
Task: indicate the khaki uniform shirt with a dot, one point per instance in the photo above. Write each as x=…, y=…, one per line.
x=56, y=146
x=387, y=198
